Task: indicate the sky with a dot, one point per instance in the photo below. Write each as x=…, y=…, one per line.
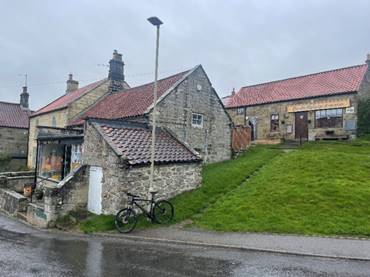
x=238, y=43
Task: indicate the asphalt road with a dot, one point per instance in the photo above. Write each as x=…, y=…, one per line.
x=25, y=251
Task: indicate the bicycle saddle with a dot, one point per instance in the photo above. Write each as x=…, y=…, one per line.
x=153, y=192
x=132, y=195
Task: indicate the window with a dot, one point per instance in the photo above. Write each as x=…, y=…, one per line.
x=197, y=120
x=240, y=111
x=53, y=122
x=332, y=118
x=274, y=123
x=51, y=163
x=56, y=161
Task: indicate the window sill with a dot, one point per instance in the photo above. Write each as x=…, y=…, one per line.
x=197, y=126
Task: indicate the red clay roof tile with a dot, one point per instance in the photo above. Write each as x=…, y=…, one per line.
x=128, y=103
x=66, y=99
x=132, y=141
x=12, y=115
x=314, y=85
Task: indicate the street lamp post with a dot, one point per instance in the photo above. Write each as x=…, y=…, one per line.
x=156, y=22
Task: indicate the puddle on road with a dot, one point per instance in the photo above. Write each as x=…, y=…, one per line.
x=29, y=255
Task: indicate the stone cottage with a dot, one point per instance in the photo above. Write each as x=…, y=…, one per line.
x=58, y=113
x=118, y=154
x=311, y=107
x=104, y=149
x=14, y=120
x=187, y=106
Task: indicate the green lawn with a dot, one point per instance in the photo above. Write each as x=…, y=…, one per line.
x=218, y=179
x=322, y=188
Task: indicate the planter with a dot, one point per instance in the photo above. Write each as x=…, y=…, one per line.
x=27, y=190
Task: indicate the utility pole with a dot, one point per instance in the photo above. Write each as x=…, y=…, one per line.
x=155, y=21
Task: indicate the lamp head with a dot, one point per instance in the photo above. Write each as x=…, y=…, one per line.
x=155, y=21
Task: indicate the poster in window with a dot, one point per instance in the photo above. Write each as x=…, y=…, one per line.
x=76, y=156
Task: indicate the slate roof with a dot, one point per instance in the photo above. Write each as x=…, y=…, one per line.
x=68, y=98
x=132, y=141
x=130, y=102
x=13, y=115
x=333, y=82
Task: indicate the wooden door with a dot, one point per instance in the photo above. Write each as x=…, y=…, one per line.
x=95, y=190
x=301, y=125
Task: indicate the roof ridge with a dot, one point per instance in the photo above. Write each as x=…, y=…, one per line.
x=12, y=103
x=168, y=77
x=302, y=76
x=95, y=82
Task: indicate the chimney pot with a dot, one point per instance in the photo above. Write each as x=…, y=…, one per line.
x=233, y=91
x=72, y=85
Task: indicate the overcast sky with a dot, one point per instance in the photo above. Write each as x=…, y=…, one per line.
x=238, y=42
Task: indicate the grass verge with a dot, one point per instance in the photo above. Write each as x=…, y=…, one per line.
x=322, y=188
x=218, y=179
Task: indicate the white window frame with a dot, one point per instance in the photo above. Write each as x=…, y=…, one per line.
x=240, y=111
x=197, y=125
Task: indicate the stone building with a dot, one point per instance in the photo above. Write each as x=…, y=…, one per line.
x=187, y=106
x=311, y=107
x=103, y=151
x=58, y=113
x=118, y=153
x=14, y=119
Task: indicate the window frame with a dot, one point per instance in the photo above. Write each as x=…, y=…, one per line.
x=197, y=125
x=240, y=111
x=323, y=114
x=274, y=122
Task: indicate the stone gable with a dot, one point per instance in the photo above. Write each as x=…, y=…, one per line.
x=196, y=95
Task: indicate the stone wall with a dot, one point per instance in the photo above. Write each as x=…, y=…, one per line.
x=118, y=178
x=16, y=180
x=261, y=114
x=13, y=142
x=12, y=202
x=196, y=95
x=60, y=117
x=90, y=98
x=68, y=195
x=364, y=91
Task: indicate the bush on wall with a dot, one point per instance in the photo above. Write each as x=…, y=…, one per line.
x=363, y=125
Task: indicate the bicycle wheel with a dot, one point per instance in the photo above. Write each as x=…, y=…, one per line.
x=125, y=220
x=163, y=211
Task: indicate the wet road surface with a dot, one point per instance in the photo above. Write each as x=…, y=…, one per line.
x=25, y=251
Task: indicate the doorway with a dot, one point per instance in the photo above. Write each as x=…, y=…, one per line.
x=301, y=125
x=95, y=190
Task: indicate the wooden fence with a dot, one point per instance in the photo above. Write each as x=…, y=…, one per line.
x=241, y=138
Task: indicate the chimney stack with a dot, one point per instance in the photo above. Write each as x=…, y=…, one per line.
x=24, y=98
x=368, y=59
x=71, y=84
x=116, y=76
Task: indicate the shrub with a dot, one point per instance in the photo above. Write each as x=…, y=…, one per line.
x=363, y=125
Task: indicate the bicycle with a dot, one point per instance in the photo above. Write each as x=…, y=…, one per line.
x=161, y=211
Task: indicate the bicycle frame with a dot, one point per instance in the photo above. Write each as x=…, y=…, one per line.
x=149, y=214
